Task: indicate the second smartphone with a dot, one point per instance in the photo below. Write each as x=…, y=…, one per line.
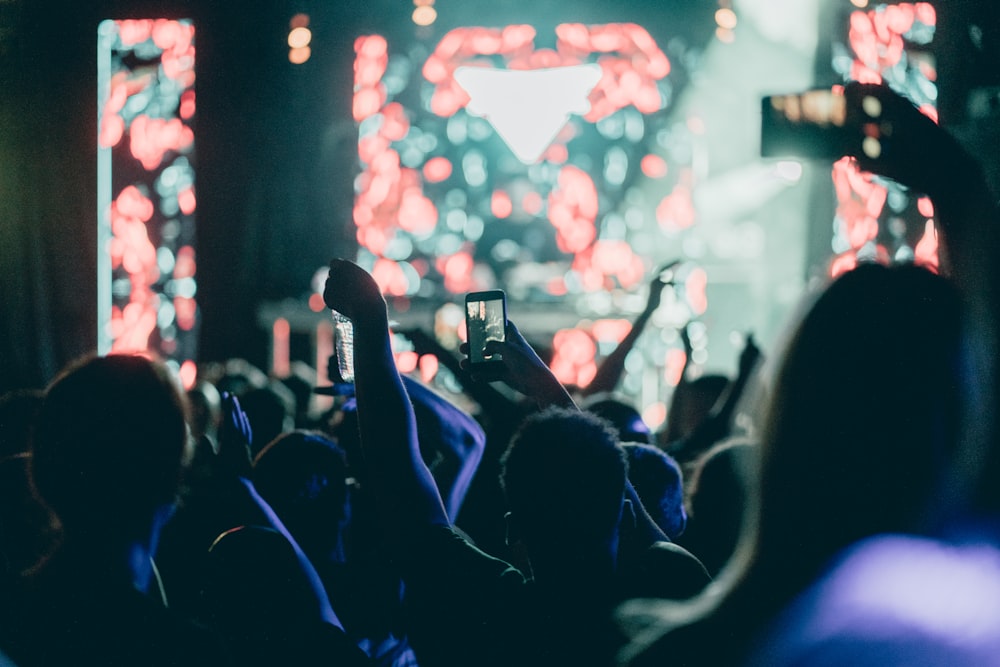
x=485, y=320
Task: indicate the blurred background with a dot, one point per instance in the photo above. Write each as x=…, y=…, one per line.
x=175, y=176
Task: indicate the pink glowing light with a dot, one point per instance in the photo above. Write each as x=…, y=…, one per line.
x=500, y=204
x=428, y=366
x=406, y=362
x=573, y=360
x=926, y=252
x=437, y=169
x=153, y=137
x=694, y=290
x=673, y=366
x=653, y=166
x=188, y=374
x=676, y=211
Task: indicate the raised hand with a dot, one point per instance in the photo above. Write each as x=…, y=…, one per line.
x=235, y=436
x=749, y=357
x=902, y=142
x=524, y=370
x=661, y=278
x=352, y=291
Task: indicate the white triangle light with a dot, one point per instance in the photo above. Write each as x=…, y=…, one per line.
x=528, y=108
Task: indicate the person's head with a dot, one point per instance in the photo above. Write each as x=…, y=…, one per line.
x=659, y=484
x=623, y=417
x=110, y=445
x=717, y=497
x=18, y=410
x=689, y=405
x=271, y=411
x=205, y=410
x=864, y=416
x=302, y=475
x=564, y=479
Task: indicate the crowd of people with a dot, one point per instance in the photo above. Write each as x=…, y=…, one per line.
x=144, y=525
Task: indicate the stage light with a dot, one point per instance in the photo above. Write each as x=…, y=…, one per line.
x=424, y=15
x=299, y=39
x=726, y=18
x=528, y=108
x=146, y=259
x=299, y=55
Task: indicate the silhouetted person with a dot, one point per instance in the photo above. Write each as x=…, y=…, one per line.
x=469, y=607
x=28, y=529
x=271, y=410
x=658, y=481
x=718, y=497
x=108, y=452
x=915, y=600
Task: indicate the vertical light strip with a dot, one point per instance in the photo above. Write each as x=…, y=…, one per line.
x=107, y=33
x=147, y=266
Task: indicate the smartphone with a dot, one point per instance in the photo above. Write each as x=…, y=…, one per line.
x=810, y=124
x=485, y=320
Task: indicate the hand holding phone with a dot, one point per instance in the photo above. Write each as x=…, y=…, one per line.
x=485, y=320
x=812, y=124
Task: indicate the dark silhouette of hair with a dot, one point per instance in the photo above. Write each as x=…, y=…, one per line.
x=660, y=485
x=271, y=411
x=863, y=420
x=622, y=416
x=303, y=477
x=718, y=496
x=110, y=445
x=205, y=410
x=28, y=530
x=864, y=414
x=18, y=410
x=564, y=476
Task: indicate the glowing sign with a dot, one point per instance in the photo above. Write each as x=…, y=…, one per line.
x=528, y=108
x=145, y=189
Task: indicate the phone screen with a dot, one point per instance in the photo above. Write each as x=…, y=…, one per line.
x=811, y=124
x=486, y=320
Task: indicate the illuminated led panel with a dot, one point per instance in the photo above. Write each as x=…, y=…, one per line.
x=877, y=218
x=146, y=198
x=505, y=157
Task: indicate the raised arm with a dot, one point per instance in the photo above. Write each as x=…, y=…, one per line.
x=525, y=371
x=918, y=153
x=405, y=489
x=719, y=421
x=609, y=373
x=495, y=404
x=528, y=374
x=451, y=441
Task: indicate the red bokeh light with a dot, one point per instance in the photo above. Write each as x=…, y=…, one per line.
x=186, y=201
x=926, y=252
x=694, y=290
x=188, y=374
x=187, y=310
x=316, y=303
x=673, y=366
x=676, y=211
x=500, y=204
x=437, y=169
x=428, y=365
x=653, y=166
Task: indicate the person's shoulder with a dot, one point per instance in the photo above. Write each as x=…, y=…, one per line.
x=668, y=570
x=444, y=550
x=895, y=600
